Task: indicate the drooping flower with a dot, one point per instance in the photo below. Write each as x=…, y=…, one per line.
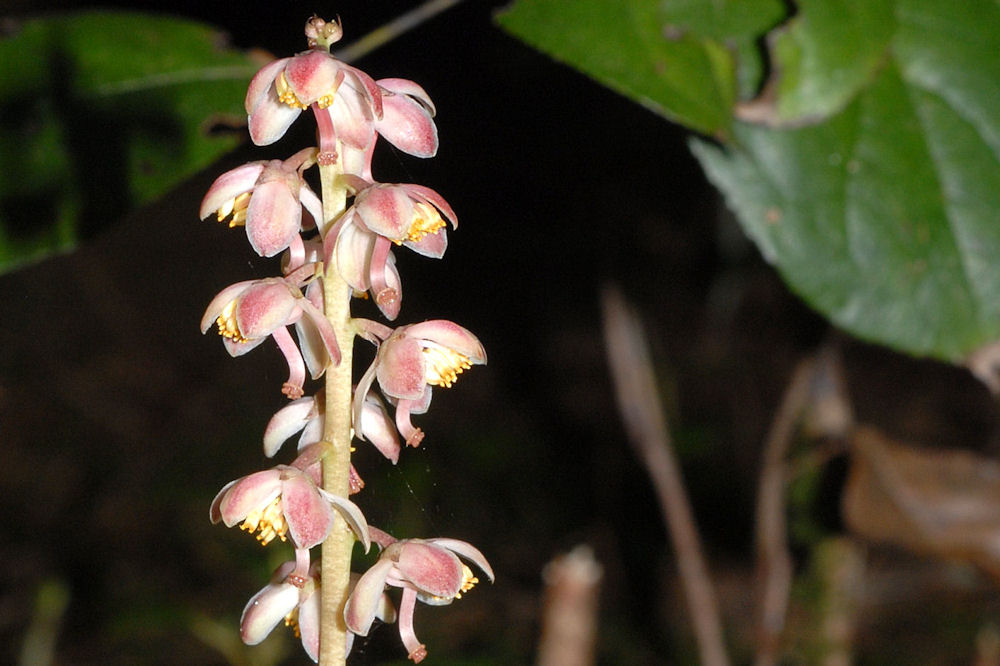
x=412, y=360
x=284, y=502
x=296, y=599
x=283, y=88
x=306, y=415
x=247, y=312
x=383, y=215
x=428, y=570
x=267, y=198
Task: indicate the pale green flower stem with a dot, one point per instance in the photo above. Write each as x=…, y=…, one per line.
x=338, y=546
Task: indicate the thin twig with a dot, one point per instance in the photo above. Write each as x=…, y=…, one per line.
x=393, y=29
x=642, y=410
x=817, y=388
x=774, y=562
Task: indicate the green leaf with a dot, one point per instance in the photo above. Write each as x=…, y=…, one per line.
x=104, y=111
x=634, y=47
x=885, y=218
x=875, y=187
x=827, y=53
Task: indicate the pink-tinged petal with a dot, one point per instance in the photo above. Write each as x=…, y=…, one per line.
x=307, y=513
x=352, y=116
x=265, y=610
x=215, y=512
x=401, y=367
x=240, y=348
x=417, y=651
x=427, y=195
x=270, y=120
x=261, y=83
x=383, y=539
x=385, y=209
x=354, y=247
x=358, y=161
x=451, y=335
x=313, y=75
x=431, y=245
x=370, y=88
x=360, y=391
x=312, y=433
x=312, y=204
x=468, y=551
x=421, y=405
x=378, y=428
x=228, y=186
x=325, y=329
x=311, y=341
x=274, y=218
x=408, y=126
x=251, y=492
x=432, y=569
x=309, y=624
x=309, y=457
x=407, y=87
x=287, y=421
x=364, y=602
x=221, y=300
x=265, y=307
x=352, y=515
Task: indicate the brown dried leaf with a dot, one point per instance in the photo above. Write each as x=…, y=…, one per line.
x=941, y=503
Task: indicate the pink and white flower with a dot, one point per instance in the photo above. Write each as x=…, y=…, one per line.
x=412, y=360
x=383, y=215
x=306, y=415
x=428, y=570
x=248, y=312
x=284, y=502
x=295, y=598
x=282, y=89
x=267, y=198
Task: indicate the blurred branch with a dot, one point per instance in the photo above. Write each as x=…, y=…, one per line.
x=51, y=601
x=569, y=613
x=816, y=390
x=642, y=411
x=774, y=562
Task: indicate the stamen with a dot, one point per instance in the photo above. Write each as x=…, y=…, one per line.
x=236, y=207
x=228, y=328
x=468, y=581
x=444, y=365
x=285, y=94
x=426, y=220
x=270, y=521
x=292, y=621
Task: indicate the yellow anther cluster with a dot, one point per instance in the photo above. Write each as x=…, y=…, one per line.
x=325, y=101
x=426, y=220
x=237, y=208
x=444, y=366
x=292, y=621
x=228, y=328
x=468, y=581
x=285, y=94
x=270, y=521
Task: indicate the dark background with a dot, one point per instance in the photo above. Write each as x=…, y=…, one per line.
x=119, y=422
